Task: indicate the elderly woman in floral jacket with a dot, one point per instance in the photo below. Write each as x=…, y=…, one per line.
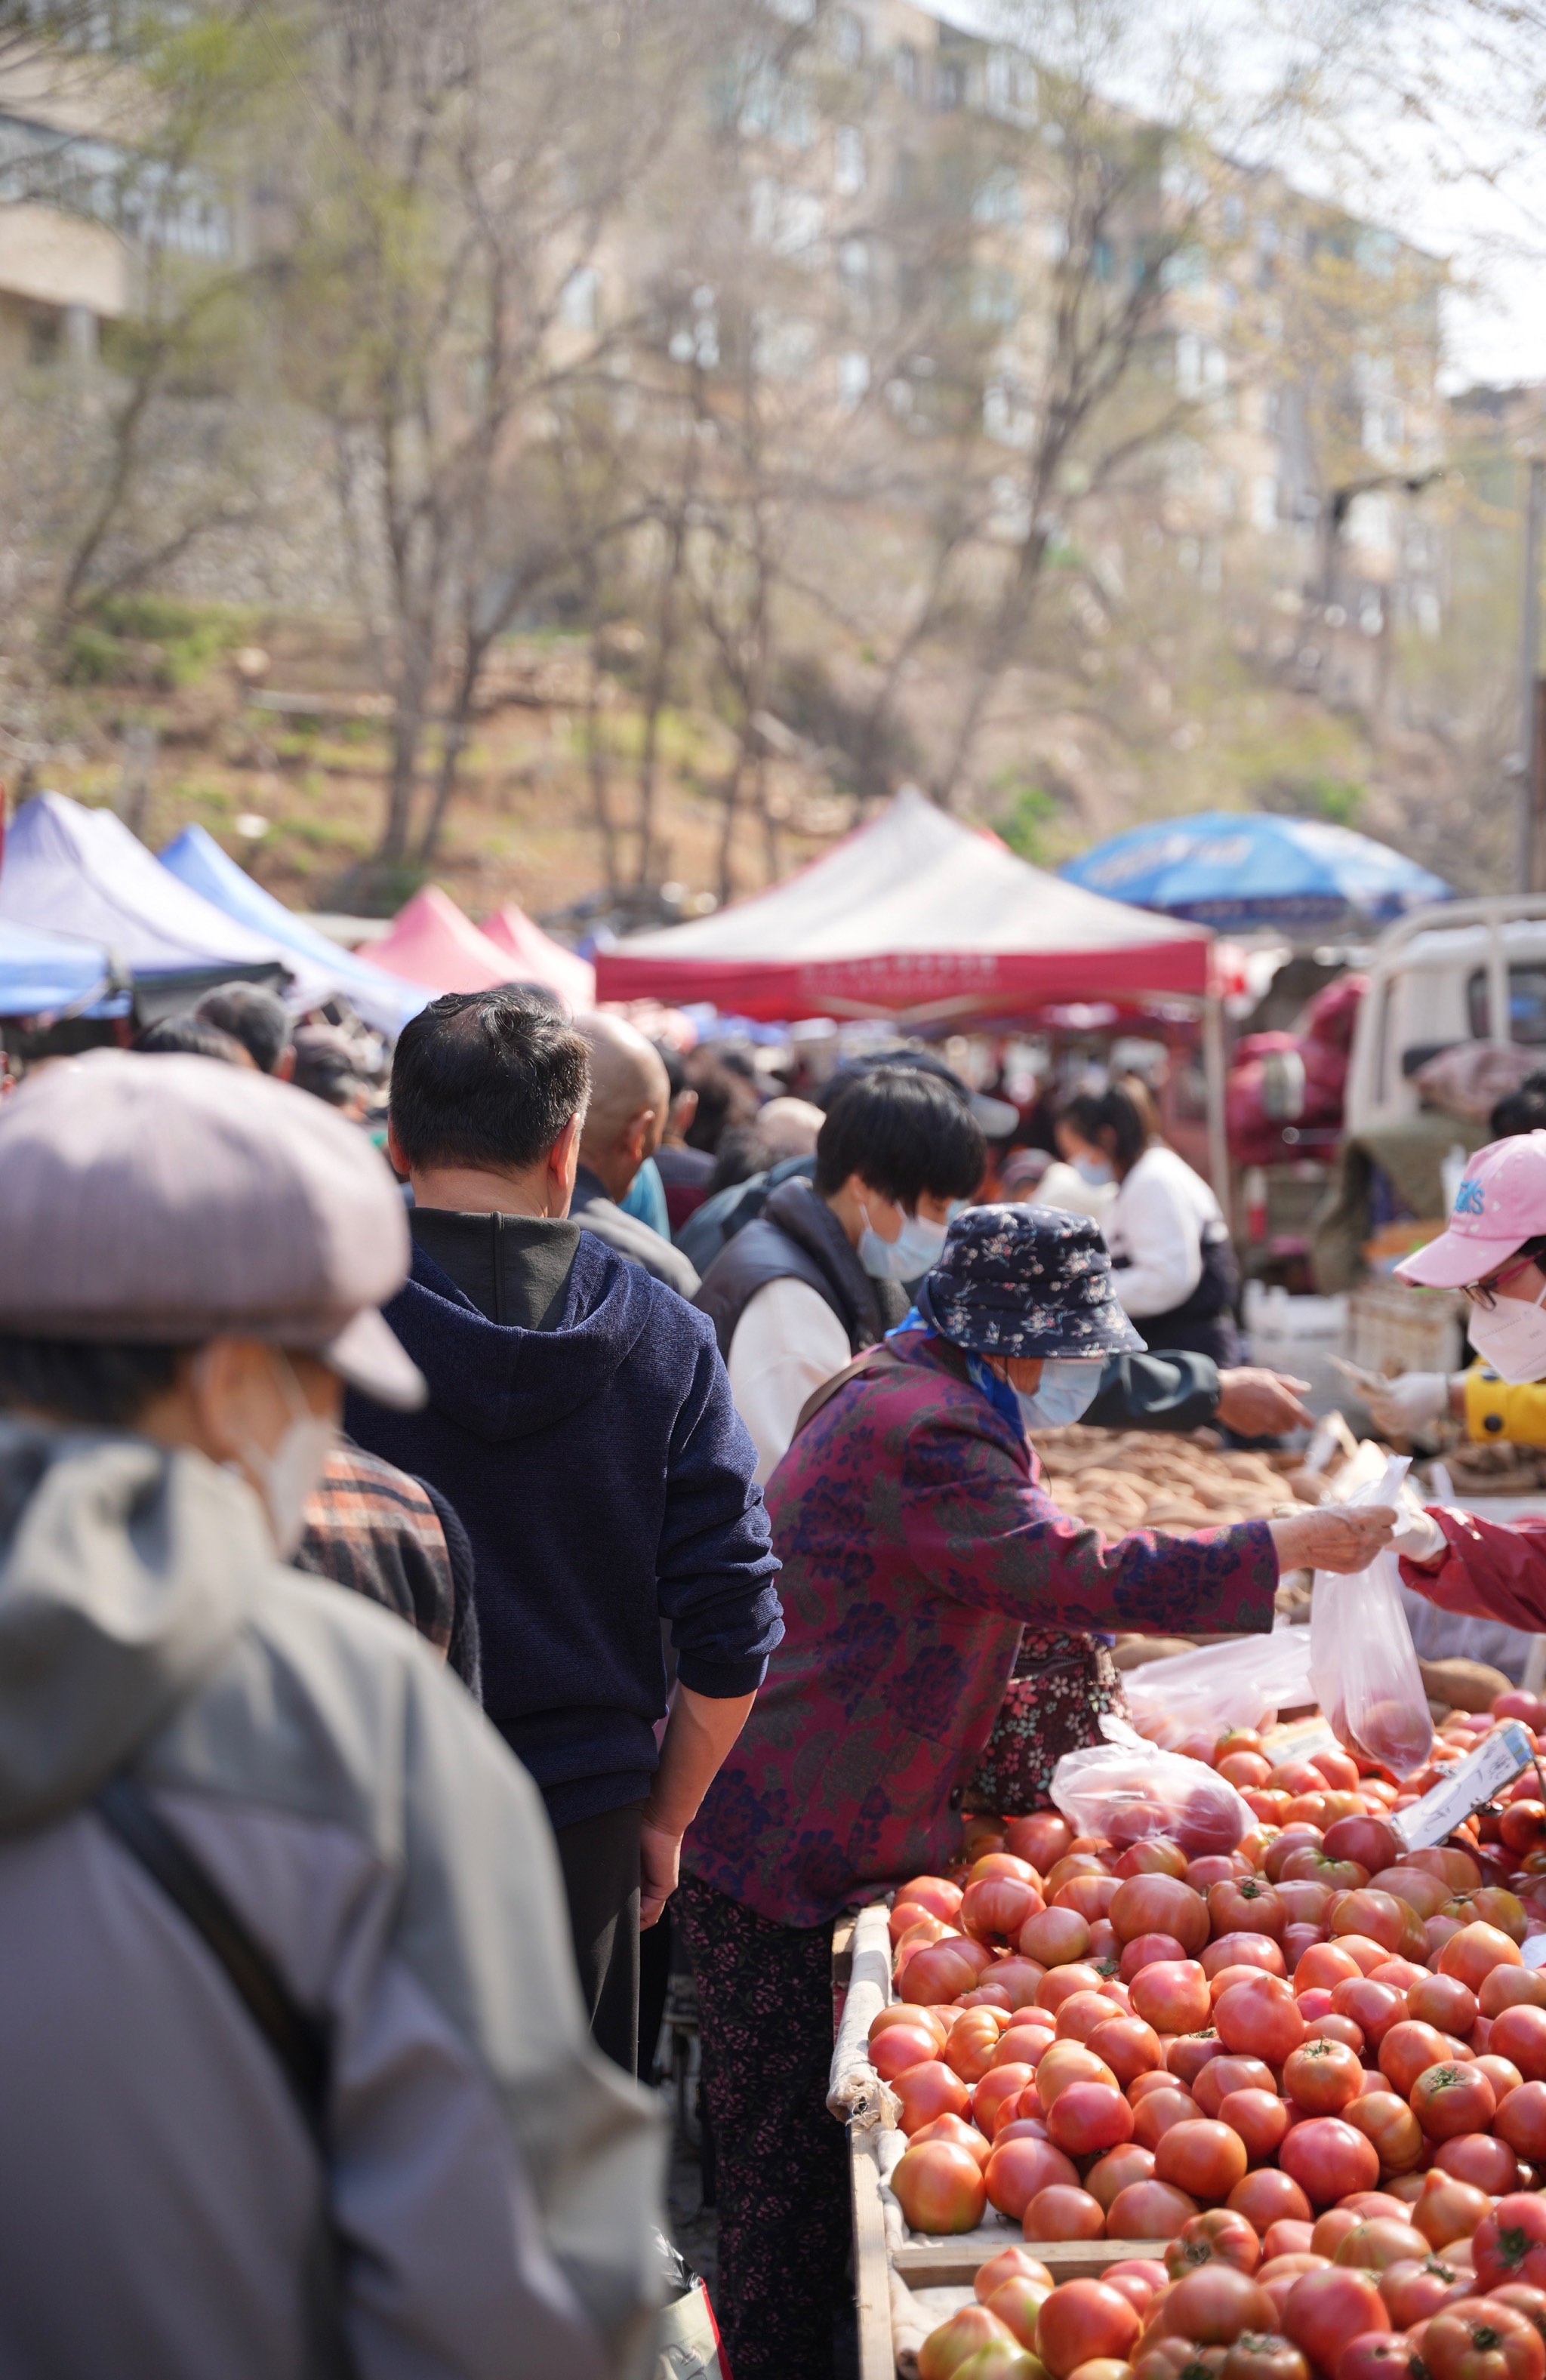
x=920, y=1551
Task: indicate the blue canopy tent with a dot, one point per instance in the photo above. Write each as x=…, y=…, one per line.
x=42, y=974
x=384, y=1000
x=1236, y=871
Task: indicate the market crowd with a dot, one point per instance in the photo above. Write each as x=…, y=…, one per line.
x=457, y=1538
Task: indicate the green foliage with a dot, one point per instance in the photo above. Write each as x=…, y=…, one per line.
x=1315, y=795
x=149, y=640
x=1025, y=824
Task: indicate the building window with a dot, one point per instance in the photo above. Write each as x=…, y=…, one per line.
x=995, y=296
x=1264, y=502
x=848, y=38
x=950, y=84
x=999, y=200
x=42, y=341
x=848, y=172
x=904, y=71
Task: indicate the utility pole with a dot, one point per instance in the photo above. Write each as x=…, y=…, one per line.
x=1533, y=741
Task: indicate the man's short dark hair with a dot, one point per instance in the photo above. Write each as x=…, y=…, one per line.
x=906, y=1132
x=251, y=1014
x=102, y=1385
x=487, y=1079
x=188, y=1036
x=1521, y=1110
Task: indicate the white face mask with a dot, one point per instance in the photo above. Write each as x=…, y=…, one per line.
x=916, y=1249
x=1512, y=1339
x=1068, y=1388
x=287, y=1478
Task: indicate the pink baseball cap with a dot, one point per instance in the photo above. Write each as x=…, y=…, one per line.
x=1501, y=1204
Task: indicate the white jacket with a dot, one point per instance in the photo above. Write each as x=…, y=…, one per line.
x=1155, y=1228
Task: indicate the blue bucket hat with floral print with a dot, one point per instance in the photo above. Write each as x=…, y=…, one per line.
x=1027, y=1281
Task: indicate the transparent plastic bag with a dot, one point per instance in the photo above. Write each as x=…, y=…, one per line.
x=1362, y=1664
x=1244, y=1683
x=1125, y=1789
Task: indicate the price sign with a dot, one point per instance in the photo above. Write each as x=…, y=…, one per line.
x=1495, y=1763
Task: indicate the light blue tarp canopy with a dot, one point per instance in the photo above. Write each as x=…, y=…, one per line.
x=384, y=1000
x=41, y=974
x=1236, y=869
x=72, y=870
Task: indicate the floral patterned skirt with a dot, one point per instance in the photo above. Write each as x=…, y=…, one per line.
x=1060, y=1687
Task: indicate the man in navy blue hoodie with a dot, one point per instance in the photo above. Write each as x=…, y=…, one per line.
x=580, y=1421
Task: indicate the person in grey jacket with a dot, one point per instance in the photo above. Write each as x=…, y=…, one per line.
x=297, y=2076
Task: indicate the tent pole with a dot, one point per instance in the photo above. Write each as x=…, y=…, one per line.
x=1213, y=1070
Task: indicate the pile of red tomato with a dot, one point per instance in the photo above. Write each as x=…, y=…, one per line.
x=1306, y=2073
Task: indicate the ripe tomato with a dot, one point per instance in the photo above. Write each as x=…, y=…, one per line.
x=1091, y=1896
x=1264, y=2355
x=940, y=2188
x=996, y=1906
x=1042, y=1839
x=1521, y=2121
x=1018, y=1977
x=1213, y=2305
x=1010, y=2264
x=1172, y=1994
x=1483, y=2160
x=997, y=2095
x=1222, y=2075
x=1087, y=2117
x=1081, y=2012
x=1474, y=1952
x=1245, y=1905
x=1329, y=2158
x=973, y=2044
x=1444, y=2002
x=1260, y=2017
x=1373, y=1843
x=1448, y=2099
x=1016, y=2302
x=967, y=2335
x=1247, y=1950
x=1378, y=1916
x=1525, y=2299
x=942, y=1970
x=1159, y=2112
x=1324, y=2310
x=1218, y=2234
x=1082, y=2320
x=1413, y=2290
x=1379, y=2243
x=1148, y=2210
x=1061, y=2212
x=1374, y=2008
x=1388, y=2122
x=1480, y=2339
x=1320, y=2077
x=1510, y=2241
x=1066, y=2062
x=929, y=2090
x=1260, y=2118
x=1448, y=2210
x=1511, y=1987
x=1379, y=2355
x=1408, y=2049
x=1018, y=2168
x=1187, y=2054
x=1160, y=1904
x=1156, y=1855
x=933, y=1892
x=1323, y=1966
x=1147, y=1951
x=1060, y=1983
x=1055, y=1937
x=1117, y=2171
x=1267, y=2197
x=898, y=2047
x=1519, y=2034
x=1204, y=2158
x=1129, y=2047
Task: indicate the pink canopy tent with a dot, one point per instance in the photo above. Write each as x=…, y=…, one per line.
x=914, y=917
x=433, y=942
x=535, y=957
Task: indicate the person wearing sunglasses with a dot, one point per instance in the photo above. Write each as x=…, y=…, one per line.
x=1491, y=1252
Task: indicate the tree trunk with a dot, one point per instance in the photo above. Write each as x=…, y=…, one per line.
x=1010, y=622
x=455, y=745
x=597, y=770
x=731, y=801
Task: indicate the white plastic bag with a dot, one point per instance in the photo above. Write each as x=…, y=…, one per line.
x=1362, y=1664
x=1243, y=1684
x=1125, y=1789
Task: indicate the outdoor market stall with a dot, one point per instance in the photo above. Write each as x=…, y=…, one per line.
x=41, y=974
x=79, y=872
x=535, y=957
x=434, y=943
x=1240, y=872
x=384, y=1000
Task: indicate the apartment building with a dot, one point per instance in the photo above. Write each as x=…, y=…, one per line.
x=81, y=201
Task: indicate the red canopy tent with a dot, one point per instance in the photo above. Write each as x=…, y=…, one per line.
x=535, y=957
x=433, y=942
x=916, y=918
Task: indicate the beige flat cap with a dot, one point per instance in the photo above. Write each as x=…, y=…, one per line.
x=170, y=1200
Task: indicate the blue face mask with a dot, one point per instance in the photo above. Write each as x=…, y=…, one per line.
x=915, y=1250
x=1068, y=1388
x=1093, y=1170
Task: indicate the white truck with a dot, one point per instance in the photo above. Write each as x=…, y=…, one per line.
x=1467, y=971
